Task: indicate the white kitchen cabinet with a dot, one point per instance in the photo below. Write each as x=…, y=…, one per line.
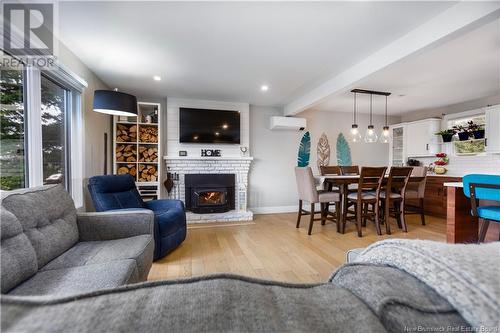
x=421, y=140
x=492, y=129
x=397, y=154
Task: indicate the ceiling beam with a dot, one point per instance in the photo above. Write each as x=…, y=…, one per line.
x=455, y=19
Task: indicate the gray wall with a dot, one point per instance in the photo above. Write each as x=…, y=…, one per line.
x=334, y=123
x=272, y=178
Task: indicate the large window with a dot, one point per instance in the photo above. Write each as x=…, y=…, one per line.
x=40, y=128
x=54, y=132
x=12, y=147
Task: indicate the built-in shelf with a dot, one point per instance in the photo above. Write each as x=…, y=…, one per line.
x=131, y=149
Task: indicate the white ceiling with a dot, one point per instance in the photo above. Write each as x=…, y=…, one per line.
x=465, y=68
x=225, y=51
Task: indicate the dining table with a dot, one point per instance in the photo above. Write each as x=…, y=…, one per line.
x=342, y=182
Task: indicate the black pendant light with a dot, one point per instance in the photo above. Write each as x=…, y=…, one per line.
x=371, y=135
x=385, y=136
x=354, y=134
x=115, y=103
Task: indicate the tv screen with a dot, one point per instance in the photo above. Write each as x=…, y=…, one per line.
x=209, y=126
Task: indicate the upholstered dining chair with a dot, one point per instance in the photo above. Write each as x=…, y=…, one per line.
x=368, y=192
x=308, y=192
x=483, y=187
x=116, y=192
x=394, y=193
x=416, y=191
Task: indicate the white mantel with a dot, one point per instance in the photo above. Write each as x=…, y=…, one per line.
x=237, y=165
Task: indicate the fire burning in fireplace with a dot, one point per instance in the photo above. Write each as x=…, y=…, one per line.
x=211, y=198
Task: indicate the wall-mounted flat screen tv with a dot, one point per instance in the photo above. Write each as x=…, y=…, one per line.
x=209, y=126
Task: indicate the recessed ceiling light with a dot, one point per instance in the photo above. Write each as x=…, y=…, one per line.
x=264, y=87
x=217, y=133
x=157, y=78
x=225, y=126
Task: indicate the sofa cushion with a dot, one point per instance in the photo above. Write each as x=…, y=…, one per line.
x=398, y=299
x=138, y=248
x=17, y=255
x=47, y=215
x=76, y=280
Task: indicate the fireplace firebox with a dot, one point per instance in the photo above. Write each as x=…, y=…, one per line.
x=209, y=193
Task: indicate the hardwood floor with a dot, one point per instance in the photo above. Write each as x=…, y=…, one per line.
x=272, y=248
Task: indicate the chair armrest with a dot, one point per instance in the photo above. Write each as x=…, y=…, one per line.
x=163, y=204
x=115, y=224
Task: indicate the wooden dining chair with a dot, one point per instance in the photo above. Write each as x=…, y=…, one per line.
x=416, y=191
x=393, y=193
x=330, y=170
x=307, y=192
x=349, y=170
x=368, y=192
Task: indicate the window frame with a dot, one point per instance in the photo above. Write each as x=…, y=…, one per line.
x=73, y=86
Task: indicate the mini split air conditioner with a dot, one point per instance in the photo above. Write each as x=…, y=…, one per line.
x=288, y=123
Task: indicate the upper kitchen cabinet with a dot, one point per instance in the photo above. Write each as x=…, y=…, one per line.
x=421, y=139
x=397, y=154
x=492, y=128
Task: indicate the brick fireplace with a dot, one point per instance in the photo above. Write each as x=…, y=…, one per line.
x=212, y=191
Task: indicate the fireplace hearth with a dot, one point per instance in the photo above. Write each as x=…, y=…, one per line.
x=209, y=193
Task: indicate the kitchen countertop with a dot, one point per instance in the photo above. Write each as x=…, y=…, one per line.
x=445, y=175
x=454, y=184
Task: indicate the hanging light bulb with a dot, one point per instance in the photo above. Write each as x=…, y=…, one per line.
x=385, y=136
x=354, y=134
x=371, y=135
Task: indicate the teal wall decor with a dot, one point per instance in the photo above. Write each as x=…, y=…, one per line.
x=304, y=150
x=343, y=151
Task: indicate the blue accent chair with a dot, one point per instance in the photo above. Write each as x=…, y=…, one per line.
x=483, y=187
x=114, y=192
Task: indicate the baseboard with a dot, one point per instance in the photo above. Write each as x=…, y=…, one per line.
x=274, y=210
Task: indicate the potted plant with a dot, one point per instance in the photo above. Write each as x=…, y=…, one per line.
x=446, y=134
x=476, y=130
x=463, y=132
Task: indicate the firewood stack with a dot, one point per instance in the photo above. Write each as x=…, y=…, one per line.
x=126, y=153
x=126, y=133
x=148, y=154
x=129, y=168
x=148, y=134
x=147, y=173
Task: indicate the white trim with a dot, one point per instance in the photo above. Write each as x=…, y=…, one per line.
x=464, y=114
x=275, y=209
x=198, y=158
x=76, y=150
x=33, y=126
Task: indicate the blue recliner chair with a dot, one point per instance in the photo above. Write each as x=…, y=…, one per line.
x=115, y=192
x=483, y=187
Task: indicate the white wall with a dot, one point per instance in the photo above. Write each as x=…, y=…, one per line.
x=272, y=180
x=450, y=109
x=460, y=165
x=95, y=124
x=194, y=149
x=334, y=123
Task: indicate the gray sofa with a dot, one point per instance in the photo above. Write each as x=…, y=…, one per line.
x=47, y=248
